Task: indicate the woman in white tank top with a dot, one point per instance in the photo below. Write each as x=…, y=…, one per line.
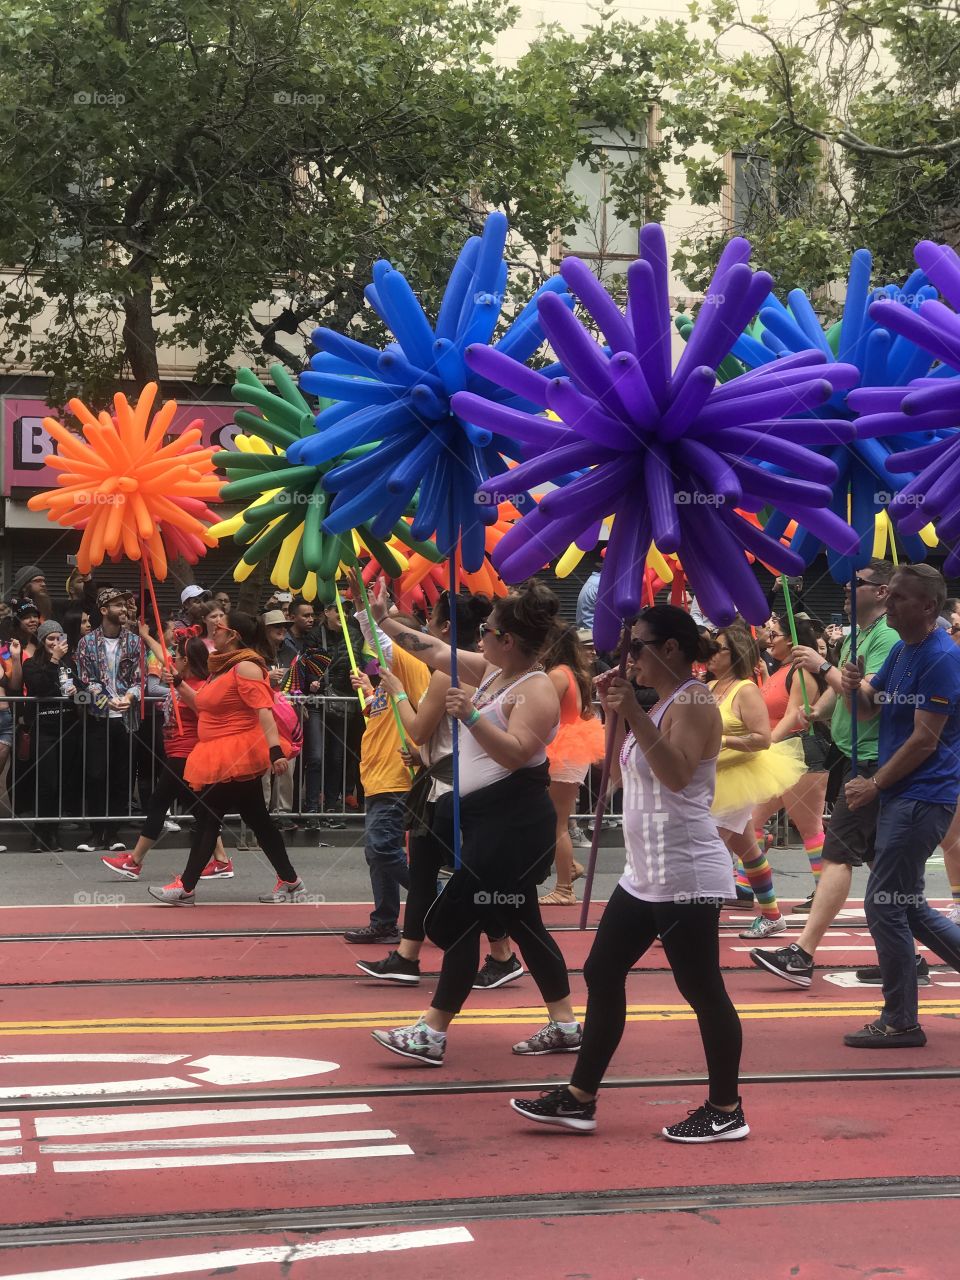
x=508, y=821
x=676, y=878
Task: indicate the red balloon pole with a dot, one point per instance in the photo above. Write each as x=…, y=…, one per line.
x=167, y=661
x=611, y=727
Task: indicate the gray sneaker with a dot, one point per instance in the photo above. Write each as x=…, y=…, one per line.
x=173, y=894
x=285, y=891
x=551, y=1039
x=413, y=1042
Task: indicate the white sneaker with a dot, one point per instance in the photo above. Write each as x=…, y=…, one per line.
x=170, y=825
x=953, y=913
x=88, y=847
x=118, y=847
x=762, y=927
x=173, y=894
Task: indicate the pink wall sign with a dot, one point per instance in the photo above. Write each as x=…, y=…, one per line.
x=27, y=444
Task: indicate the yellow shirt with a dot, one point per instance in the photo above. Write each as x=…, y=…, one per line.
x=381, y=768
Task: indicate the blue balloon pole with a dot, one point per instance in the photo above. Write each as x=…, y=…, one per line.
x=853, y=658
x=454, y=680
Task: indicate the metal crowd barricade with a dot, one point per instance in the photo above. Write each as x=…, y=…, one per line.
x=45, y=768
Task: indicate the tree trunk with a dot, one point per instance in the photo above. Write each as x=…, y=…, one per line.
x=139, y=335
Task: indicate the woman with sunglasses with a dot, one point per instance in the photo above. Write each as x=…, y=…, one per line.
x=508, y=822
x=677, y=877
x=190, y=664
x=749, y=770
x=237, y=742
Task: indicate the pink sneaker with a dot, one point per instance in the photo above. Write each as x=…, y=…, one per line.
x=124, y=866
x=217, y=869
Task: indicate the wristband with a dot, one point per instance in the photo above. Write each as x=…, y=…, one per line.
x=472, y=718
x=276, y=753
x=400, y=697
x=876, y=783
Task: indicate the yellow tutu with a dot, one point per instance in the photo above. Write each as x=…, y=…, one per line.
x=748, y=778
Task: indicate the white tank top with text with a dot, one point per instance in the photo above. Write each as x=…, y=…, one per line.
x=674, y=851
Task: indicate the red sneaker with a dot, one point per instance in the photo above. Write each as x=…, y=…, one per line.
x=215, y=868
x=124, y=866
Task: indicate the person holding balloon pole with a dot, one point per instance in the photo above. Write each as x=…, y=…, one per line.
x=508, y=820
x=677, y=877
x=238, y=740
x=428, y=724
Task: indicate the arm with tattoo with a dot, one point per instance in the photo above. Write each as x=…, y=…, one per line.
x=435, y=653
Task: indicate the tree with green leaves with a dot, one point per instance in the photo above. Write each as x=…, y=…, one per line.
x=220, y=178
x=847, y=125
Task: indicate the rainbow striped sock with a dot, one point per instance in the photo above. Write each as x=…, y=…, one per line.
x=761, y=882
x=741, y=876
x=814, y=848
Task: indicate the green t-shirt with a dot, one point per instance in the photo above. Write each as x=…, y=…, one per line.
x=873, y=645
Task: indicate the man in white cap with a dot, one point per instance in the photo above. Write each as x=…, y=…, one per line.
x=192, y=600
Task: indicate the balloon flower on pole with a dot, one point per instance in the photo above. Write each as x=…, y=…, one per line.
x=930, y=405
x=671, y=455
x=400, y=400
x=131, y=493
x=287, y=503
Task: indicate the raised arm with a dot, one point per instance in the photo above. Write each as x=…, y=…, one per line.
x=435, y=653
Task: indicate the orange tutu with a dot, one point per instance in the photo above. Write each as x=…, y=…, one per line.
x=577, y=744
x=226, y=759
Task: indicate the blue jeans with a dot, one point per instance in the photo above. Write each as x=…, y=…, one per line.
x=385, y=849
x=908, y=831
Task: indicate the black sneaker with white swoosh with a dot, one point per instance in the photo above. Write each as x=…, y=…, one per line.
x=709, y=1124
x=560, y=1108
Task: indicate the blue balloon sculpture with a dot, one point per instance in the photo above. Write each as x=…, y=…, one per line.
x=401, y=398
x=865, y=481
x=671, y=454
x=929, y=405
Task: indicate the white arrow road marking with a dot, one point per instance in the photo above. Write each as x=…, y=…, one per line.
x=196, y=1144
x=223, y=1260
x=221, y=1069
x=138, y=1121
x=200, y=1162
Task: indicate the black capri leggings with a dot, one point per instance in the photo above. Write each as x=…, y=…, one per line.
x=690, y=936
x=169, y=787
x=427, y=854
x=520, y=917
x=243, y=796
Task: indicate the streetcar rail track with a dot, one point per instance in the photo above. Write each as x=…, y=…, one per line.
x=485, y=1208
x=321, y=1093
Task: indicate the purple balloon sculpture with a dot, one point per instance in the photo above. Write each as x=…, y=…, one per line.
x=671, y=455
x=929, y=404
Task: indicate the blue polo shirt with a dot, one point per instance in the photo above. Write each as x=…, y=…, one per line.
x=922, y=677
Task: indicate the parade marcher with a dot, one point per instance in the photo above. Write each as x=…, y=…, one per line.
x=579, y=743
x=237, y=742
x=784, y=695
x=677, y=876
x=428, y=725
x=508, y=822
x=749, y=768
x=111, y=679
x=850, y=833
x=190, y=663
x=916, y=695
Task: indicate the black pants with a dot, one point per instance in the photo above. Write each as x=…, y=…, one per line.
x=690, y=936
x=519, y=912
x=427, y=854
x=244, y=796
x=169, y=789
x=56, y=745
x=107, y=775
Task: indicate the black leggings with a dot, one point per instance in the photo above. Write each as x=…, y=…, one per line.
x=690, y=936
x=244, y=796
x=427, y=854
x=169, y=787
x=520, y=916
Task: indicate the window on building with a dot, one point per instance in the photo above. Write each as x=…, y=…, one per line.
x=609, y=243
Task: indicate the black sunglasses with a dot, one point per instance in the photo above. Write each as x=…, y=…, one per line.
x=637, y=647
x=866, y=582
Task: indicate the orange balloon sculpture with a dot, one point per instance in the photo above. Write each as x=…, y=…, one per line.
x=128, y=492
